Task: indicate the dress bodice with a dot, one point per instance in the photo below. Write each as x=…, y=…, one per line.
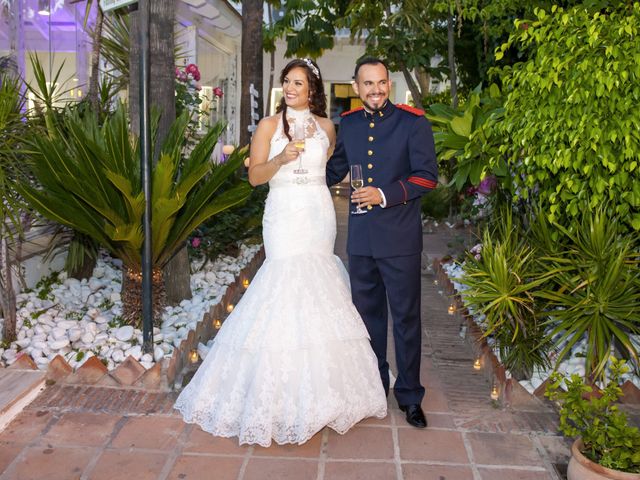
x=314, y=156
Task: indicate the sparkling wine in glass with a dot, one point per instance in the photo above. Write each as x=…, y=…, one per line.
x=299, y=142
x=357, y=182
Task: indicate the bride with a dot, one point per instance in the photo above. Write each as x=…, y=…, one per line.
x=294, y=355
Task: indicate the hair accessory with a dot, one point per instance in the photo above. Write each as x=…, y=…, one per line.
x=313, y=68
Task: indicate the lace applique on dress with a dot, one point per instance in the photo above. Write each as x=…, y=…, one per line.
x=311, y=129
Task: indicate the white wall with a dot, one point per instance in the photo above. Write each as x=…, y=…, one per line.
x=336, y=65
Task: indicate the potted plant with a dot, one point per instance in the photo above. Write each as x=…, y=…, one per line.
x=606, y=447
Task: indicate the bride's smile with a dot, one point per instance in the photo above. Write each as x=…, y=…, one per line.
x=296, y=89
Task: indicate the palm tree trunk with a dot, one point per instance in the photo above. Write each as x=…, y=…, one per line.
x=272, y=61
x=251, y=47
x=134, y=71
x=454, y=84
x=132, y=297
x=177, y=275
x=413, y=87
x=452, y=59
x=423, y=78
x=162, y=14
x=7, y=292
x=16, y=38
x=162, y=65
x=94, y=84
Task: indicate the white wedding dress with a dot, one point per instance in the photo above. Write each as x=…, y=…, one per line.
x=294, y=355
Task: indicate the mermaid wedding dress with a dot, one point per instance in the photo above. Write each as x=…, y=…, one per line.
x=294, y=355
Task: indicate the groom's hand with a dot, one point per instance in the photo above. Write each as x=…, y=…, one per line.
x=367, y=196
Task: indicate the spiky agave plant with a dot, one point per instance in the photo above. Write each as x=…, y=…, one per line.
x=90, y=181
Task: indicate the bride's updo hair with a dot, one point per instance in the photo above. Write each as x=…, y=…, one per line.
x=317, y=97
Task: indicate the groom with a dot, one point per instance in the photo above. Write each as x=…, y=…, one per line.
x=394, y=145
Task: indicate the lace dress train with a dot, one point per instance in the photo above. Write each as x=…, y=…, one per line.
x=294, y=355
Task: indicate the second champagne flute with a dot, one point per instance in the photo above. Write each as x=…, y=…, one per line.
x=357, y=182
x=299, y=142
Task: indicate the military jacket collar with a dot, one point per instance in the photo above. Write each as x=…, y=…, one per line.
x=385, y=112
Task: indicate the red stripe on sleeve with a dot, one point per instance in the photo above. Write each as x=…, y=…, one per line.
x=423, y=182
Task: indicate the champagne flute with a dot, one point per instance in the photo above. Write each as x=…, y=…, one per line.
x=357, y=182
x=299, y=135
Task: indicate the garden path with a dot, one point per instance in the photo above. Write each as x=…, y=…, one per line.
x=83, y=432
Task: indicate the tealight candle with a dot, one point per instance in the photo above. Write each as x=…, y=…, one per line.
x=495, y=392
x=193, y=356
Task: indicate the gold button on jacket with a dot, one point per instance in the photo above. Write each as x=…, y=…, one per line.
x=370, y=166
x=370, y=180
x=370, y=152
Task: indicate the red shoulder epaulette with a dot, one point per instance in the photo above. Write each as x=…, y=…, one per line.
x=349, y=112
x=410, y=109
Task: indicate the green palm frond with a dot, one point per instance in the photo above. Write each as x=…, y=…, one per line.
x=597, y=292
x=506, y=286
x=89, y=176
x=13, y=129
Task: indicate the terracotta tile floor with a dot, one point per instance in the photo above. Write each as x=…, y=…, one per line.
x=468, y=437
x=94, y=445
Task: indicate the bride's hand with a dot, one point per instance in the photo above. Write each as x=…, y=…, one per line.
x=288, y=154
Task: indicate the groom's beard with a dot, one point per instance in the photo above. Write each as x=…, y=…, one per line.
x=371, y=109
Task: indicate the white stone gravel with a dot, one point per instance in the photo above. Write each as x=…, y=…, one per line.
x=80, y=319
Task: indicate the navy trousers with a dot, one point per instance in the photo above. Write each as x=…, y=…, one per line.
x=373, y=281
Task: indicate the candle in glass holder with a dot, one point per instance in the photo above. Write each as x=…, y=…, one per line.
x=452, y=309
x=477, y=365
x=245, y=283
x=193, y=356
x=230, y=308
x=495, y=391
x=217, y=323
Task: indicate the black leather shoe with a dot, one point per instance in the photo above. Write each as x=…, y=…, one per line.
x=415, y=415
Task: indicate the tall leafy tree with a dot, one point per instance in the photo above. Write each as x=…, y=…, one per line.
x=402, y=32
x=406, y=33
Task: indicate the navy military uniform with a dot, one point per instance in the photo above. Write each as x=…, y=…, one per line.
x=396, y=150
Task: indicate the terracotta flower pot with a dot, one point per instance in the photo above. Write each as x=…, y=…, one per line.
x=581, y=468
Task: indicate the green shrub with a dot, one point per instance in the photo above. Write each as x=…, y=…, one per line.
x=596, y=290
x=436, y=203
x=221, y=234
x=571, y=112
x=503, y=283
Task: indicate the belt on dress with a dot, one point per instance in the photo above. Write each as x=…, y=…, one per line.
x=298, y=180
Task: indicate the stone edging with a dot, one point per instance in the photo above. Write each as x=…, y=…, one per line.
x=130, y=373
x=509, y=389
